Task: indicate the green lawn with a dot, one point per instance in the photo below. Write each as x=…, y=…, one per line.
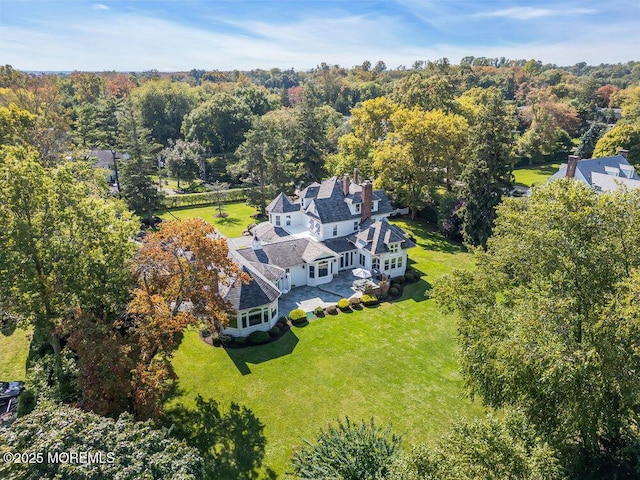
x=14, y=348
x=535, y=175
x=239, y=216
x=396, y=363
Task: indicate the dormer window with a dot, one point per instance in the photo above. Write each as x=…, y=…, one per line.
x=355, y=226
x=277, y=220
x=394, y=247
x=335, y=230
x=358, y=208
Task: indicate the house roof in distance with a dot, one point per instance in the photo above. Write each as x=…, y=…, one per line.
x=287, y=253
x=104, y=158
x=242, y=296
x=606, y=173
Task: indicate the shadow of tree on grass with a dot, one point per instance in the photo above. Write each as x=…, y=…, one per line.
x=232, y=443
x=262, y=353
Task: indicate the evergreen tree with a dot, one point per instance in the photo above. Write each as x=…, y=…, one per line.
x=589, y=139
x=487, y=175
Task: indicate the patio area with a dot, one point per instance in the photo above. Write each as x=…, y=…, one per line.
x=345, y=285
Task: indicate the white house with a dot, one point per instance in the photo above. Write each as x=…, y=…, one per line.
x=335, y=225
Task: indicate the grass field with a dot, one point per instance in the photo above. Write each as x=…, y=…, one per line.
x=396, y=363
x=535, y=175
x=239, y=216
x=14, y=348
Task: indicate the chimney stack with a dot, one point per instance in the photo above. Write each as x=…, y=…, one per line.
x=572, y=163
x=624, y=153
x=367, y=200
x=345, y=185
x=355, y=176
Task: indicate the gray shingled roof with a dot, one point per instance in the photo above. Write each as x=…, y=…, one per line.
x=375, y=236
x=266, y=232
x=270, y=272
x=288, y=253
x=331, y=206
x=104, y=158
x=257, y=292
x=339, y=245
x=586, y=167
x=282, y=204
x=310, y=191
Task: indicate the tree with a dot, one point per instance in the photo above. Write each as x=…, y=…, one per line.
x=487, y=175
x=370, y=123
x=622, y=136
x=589, y=140
x=119, y=448
x=489, y=448
x=108, y=131
x=530, y=320
x=162, y=105
x=62, y=244
x=138, y=187
x=179, y=270
x=266, y=158
x=219, y=124
x=16, y=126
x=219, y=189
x=426, y=91
x=412, y=158
x=350, y=451
x=183, y=159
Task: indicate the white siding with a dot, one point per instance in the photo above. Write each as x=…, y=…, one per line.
x=298, y=276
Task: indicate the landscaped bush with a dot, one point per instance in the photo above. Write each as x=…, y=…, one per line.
x=354, y=301
x=297, y=316
x=393, y=291
x=282, y=323
x=343, y=304
x=318, y=311
x=369, y=300
x=239, y=340
x=332, y=309
x=256, y=338
x=408, y=276
x=400, y=279
x=205, y=332
x=274, y=331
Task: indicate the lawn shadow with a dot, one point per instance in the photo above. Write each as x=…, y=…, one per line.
x=227, y=221
x=428, y=238
x=232, y=443
x=415, y=291
x=241, y=357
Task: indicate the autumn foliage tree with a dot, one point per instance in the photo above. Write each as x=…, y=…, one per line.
x=178, y=270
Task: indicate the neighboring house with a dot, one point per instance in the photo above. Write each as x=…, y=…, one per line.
x=602, y=174
x=104, y=160
x=333, y=226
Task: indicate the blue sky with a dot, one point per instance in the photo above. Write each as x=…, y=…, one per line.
x=245, y=34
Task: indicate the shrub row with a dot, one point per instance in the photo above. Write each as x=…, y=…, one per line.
x=369, y=300
x=207, y=198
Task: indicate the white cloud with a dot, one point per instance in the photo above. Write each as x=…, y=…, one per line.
x=529, y=13
x=100, y=6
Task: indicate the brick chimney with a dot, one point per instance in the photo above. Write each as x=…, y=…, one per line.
x=624, y=153
x=345, y=185
x=367, y=200
x=572, y=163
x=355, y=176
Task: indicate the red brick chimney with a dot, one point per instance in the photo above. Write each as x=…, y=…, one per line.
x=355, y=176
x=624, y=153
x=345, y=185
x=367, y=200
x=572, y=163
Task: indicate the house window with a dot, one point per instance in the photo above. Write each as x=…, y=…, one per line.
x=394, y=248
x=386, y=265
x=357, y=208
x=277, y=220
x=375, y=263
x=312, y=271
x=323, y=268
x=287, y=220
x=355, y=226
x=233, y=321
x=399, y=262
x=255, y=317
x=335, y=230
x=362, y=260
x=274, y=310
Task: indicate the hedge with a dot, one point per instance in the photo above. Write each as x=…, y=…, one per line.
x=369, y=300
x=343, y=304
x=207, y=198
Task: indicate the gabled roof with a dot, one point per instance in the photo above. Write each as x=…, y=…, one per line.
x=310, y=191
x=270, y=272
x=331, y=205
x=266, y=232
x=104, y=158
x=603, y=172
x=376, y=236
x=257, y=292
x=282, y=204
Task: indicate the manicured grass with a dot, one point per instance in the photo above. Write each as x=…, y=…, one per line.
x=239, y=216
x=396, y=363
x=14, y=349
x=535, y=175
